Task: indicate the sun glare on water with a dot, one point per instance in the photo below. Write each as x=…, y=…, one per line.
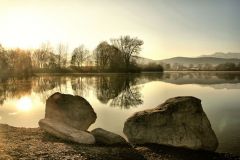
x=24, y=104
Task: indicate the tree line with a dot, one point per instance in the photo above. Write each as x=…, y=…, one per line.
x=113, y=56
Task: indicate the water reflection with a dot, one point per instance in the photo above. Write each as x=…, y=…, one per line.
x=204, y=78
x=118, y=90
x=24, y=104
x=14, y=88
x=122, y=91
x=82, y=85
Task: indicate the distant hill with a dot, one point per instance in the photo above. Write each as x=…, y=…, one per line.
x=199, y=60
x=143, y=61
x=228, y=55
x=186, y=61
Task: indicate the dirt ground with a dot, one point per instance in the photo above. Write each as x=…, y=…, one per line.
x=34, y=143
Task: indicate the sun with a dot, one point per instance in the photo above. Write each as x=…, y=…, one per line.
x=24, y=104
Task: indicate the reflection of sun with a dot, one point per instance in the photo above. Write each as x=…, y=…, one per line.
x=24, y=104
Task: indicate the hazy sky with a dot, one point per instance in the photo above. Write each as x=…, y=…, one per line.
x=168, y=27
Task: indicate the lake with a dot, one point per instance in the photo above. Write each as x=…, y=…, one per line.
x=115, y=97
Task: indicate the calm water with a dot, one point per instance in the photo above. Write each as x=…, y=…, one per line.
x=116, y=97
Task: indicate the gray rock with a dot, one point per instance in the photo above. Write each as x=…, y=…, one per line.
x=106, y=137
x=66, y=132
x=179, y=122
x=74, y=111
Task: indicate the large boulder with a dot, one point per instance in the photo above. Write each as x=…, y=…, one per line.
x=179, y=122
x=66, y=132
x=68, y=117
x=106, y=137
x=73, y=111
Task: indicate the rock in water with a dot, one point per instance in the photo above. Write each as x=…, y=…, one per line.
x=66, y=132
x=73, y=111
x=179, y=122
x=106, y=137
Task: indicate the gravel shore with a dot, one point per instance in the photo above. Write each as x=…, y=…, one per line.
x=34, y=143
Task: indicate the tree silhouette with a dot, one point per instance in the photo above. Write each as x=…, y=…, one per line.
x=79, y=55
x=128, y=47
x=62, y=51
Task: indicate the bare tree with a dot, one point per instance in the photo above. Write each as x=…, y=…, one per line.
x=79, y=55
x=42, y=55
x=19, y=61
x=3, y=60
x=62, y=50
x=128, y=46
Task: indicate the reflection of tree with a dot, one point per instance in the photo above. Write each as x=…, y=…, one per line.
x=108, y=87
x=229, y=77
x=16, y=88
x=129, y=97
x=81, y=85
x=47, y=85
x=2, y=90
x=2, y=94
x=120, y=90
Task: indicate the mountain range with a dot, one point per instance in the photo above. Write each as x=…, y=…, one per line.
x=228, y=55
x=213, y=59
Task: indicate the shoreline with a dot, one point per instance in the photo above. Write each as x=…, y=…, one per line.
x=34, y=143
x=4, y=76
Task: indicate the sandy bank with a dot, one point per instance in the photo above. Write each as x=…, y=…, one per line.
x=33, y=143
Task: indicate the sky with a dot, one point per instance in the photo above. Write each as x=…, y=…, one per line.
x=169, y=28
